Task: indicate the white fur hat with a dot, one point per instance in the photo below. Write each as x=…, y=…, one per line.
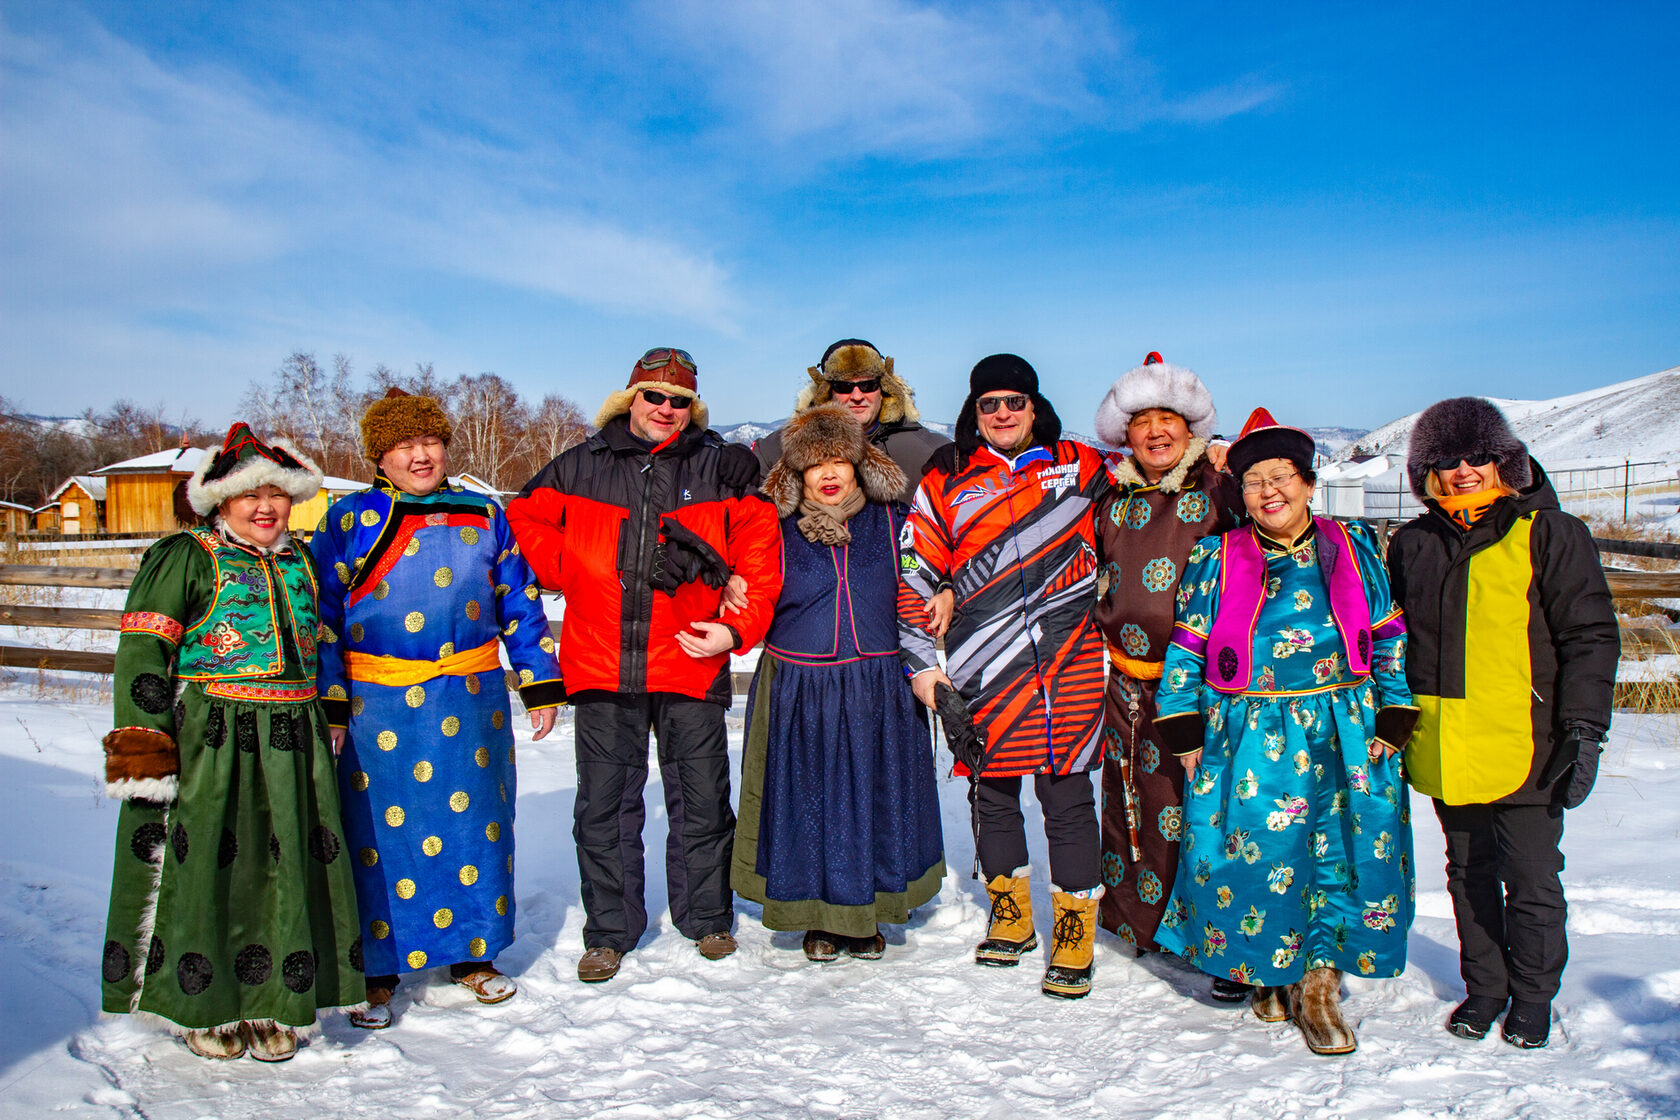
x=1155, y=384
x=244, y=462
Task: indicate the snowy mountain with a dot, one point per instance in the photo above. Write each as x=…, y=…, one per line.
x=1637, y=420
x=1331, y=440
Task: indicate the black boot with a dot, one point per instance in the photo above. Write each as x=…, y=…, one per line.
x=1474, y=1017
x=1528, y=1025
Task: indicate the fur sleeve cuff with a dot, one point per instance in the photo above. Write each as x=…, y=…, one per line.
x=140, y=757
x=159, y=791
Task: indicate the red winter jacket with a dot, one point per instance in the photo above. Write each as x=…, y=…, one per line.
x=588, y=523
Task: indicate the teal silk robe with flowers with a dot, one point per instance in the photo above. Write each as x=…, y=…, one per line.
x=427, y=771
x=1297, y=848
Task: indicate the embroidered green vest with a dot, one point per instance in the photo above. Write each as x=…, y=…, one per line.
x=239, y=636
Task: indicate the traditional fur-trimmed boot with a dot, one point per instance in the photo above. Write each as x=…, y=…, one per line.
x=1009, y=932
x=1315, y=1003
x=219, y=1044
x=1271, y=1005
x=1073, y=946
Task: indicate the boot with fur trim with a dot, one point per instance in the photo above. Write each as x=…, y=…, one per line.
x=270, y=1041
x=1271, y=1005
x=1009, y=933
x=1315, y=1003
x=219, y=1044
x=1072, y=946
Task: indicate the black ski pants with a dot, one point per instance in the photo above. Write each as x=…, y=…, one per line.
x=611, y=731
x=1070, y=828
x=1503, y=867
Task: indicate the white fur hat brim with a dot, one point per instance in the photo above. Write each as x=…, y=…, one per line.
x=301, y=482
x=618, y=403
x=1156, y=385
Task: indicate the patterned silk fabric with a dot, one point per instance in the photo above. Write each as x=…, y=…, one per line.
x=427, y=771
x=1297, y=849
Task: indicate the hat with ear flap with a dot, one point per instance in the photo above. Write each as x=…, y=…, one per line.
x=664, y=369
x=1003, y=373
x=829, y=432
x=853, y=359
x=1461, y=427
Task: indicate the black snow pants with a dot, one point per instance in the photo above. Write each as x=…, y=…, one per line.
x=611, y=731
x=1070, y=828
x=1503, y=867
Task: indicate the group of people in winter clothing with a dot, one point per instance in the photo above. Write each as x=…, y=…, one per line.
x=314, y=746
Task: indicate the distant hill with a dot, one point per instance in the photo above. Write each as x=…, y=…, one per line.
x=1636, y=420
x=1331, y=440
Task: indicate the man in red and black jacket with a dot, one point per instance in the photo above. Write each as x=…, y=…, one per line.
x=641, y=530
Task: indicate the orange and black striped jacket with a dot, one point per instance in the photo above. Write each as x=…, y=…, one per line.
x=1016, y=541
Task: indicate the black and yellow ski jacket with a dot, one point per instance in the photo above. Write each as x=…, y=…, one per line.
x=1511, y=636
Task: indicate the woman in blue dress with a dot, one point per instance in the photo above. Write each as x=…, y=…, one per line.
x=1285, y=698
x=838, y=828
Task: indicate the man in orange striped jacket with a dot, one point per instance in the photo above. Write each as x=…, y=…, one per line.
x=1004, y=518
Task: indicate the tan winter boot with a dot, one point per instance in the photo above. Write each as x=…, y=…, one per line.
x=1073, y=944
x=1315, y=1003
x=1271, y=1005
x=1010, y=931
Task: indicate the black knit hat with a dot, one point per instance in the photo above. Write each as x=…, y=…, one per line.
x=1460, y=427
x=1003, y=373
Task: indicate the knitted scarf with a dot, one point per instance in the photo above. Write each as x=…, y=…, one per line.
x=826, y=524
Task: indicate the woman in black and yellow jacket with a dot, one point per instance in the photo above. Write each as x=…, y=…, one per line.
x=1512, y=658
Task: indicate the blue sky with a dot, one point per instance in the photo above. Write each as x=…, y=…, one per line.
x=1340, y=211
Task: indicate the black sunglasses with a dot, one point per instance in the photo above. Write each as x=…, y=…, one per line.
x=1480, y=459
x=846, y=388
x=1014, y=402
x=656, y=398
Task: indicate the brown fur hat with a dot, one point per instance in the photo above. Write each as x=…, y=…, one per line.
x=853, y=359
x=671, y=377
x=398, y=416
x=818, y=435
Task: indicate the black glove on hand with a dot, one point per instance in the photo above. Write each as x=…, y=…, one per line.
x=683, y=557
x=944, y=458
x=1576, y=756
x=960, y=733
x=738, y=467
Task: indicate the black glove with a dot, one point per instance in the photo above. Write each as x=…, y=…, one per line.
x=683, y=557
x=1576, y=756
x=738, y=467
x=944, y=458
x=960, y=733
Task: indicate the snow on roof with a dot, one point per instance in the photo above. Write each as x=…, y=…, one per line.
x=95, y=487
x=335, y=485
x=17, y=505
x=176, y=460
x=478, y=486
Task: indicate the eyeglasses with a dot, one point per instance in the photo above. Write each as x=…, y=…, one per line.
x=1270, y=482
x=1480, y=459
x=663, y=356
x=847, y=388
x=1014, y=402
x=656, y=398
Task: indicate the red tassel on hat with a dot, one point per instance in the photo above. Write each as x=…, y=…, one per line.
x=1153, y=358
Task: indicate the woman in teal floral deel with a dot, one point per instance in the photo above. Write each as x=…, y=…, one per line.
x=1285, y=698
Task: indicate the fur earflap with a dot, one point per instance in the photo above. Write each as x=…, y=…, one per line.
x=1463, y=426
x=856, y=360
x=1155, y=384
x=301, y=480
x=818, y=435
x=618, y=403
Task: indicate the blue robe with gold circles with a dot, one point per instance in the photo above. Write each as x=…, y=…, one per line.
x=427, y=771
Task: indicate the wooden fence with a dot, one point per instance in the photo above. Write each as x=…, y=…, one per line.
x=1636, y=640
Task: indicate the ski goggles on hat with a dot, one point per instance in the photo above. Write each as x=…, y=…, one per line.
x=656, y=398
x=1480, y=459
x=846, y=388
x=1014, y=402
x=662, y=356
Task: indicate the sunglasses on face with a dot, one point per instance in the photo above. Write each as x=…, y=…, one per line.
x=1480, y=459
x=847, y=388
x=663, y=356
x=656, y=398
x=1014, y=402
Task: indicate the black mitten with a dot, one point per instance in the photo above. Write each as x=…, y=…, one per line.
x=683, y=557
x=960, y=733
x=738, y=468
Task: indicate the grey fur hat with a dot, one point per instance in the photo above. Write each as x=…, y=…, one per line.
x=829, y=431
x=1463, y=426
x=1155, y=384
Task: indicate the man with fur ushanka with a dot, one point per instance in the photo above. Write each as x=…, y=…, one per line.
x=855, y=374
x=1004, y=517
x=640, y=529
x=422, y=585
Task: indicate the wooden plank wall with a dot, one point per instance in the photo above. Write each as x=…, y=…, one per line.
x=140, y=503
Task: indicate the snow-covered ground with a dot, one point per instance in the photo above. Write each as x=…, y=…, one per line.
x=922, y=1033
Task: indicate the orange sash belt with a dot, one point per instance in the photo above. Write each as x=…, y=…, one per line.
x=373, y=668
x=1132, y=667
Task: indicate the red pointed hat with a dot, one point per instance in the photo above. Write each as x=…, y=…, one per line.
x=1263, y=438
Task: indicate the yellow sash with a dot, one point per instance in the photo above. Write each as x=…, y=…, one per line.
x=1132, y=667
x=372, y=668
